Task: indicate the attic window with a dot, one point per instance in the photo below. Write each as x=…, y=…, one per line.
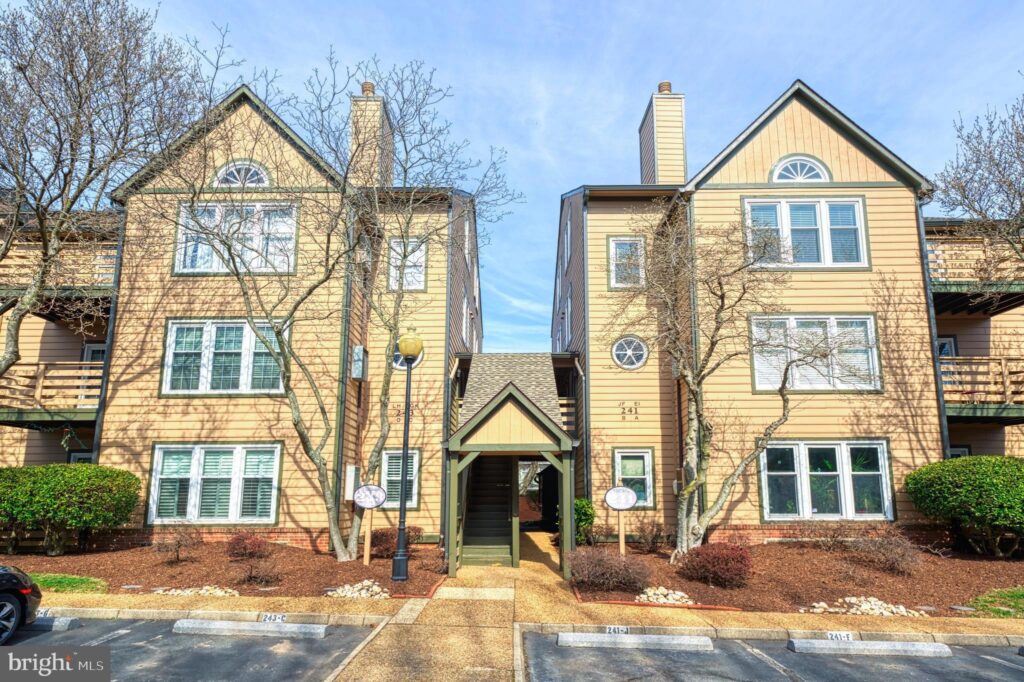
x=242, y=175
x=800, y=169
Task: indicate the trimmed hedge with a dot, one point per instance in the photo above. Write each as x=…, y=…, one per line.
x=60, y=499
x=982, y=494
x=720, y=564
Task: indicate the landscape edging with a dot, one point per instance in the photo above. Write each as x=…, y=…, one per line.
x=621, y=602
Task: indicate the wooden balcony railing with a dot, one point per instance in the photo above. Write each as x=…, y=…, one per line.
x=983, y=380
x=567, y=406
x=52, y=386
x=80, y=265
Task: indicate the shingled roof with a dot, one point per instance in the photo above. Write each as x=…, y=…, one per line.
x=532, y=373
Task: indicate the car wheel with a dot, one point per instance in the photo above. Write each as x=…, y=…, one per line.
x=10, y=616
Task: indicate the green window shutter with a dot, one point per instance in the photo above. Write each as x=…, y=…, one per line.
x=393, y=476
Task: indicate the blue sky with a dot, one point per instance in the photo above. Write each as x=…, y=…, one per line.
x=562, y=86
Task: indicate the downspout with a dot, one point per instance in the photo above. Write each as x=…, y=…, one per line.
x=343, y=364
x=101, y=406
x=932, y=327
x=446, y=414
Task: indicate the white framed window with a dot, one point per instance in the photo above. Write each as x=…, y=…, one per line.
x=219, y=356
x=242, y=174
x=467, y=244
x=567, y=320
x=465, y=319
x=257, y=237
x=947, y=347
x=826, y=480
x=824, y=353
x=391, y=478
x=626, y=266
x=82, y=457
x=634, y=469
x=800, y=169
x=214, y=483
x=629, y=352
x=567, y=239
x=414, y=253
x=807, y=232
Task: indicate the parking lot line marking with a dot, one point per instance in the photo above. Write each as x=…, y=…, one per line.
x=107, y=637
x=1002, y=662
x=770, y=661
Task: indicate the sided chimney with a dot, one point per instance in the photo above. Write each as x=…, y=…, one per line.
x=663, y=138
x=371, y=140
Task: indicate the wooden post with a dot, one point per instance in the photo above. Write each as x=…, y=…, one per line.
x=622, y=535
x=367, y=535
x=566, y=505
x=450, y=540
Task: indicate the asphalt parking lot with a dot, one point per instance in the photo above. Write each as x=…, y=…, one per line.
x=148, y=650
x=760, y=660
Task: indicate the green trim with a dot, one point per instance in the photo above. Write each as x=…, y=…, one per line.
x=513, y=504
x=223, y=394
x=554, y=461
x=465, y=461
x=312, y=189
x=418, y=478
x=511, y=391
x=823, y=229
x=654, y=481
x=14, y=416
x=821, y=439
x=147, y=522
x=566, y=504
x=451, y=538
x=995, y=411
x=426, y=267
x=804, y=391
x=797, y=155
x=942, y=286
x=296, y=205
x=69, y=292
x=608, y=260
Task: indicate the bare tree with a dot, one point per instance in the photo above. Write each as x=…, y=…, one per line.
x=88, y=93
x=984, y=183
x=373, y=205
x=703, y=297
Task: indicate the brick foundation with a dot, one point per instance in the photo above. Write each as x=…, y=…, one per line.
x=315, y=539
x=756, y=534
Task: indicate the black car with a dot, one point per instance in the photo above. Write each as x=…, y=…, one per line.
x=19, y=599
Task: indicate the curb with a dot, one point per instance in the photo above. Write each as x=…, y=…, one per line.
x=72, y=612
x=854, y=648
x=189, y=626
x=51, y=624
x=621, y=602
x=867, y=636
x=661, y=642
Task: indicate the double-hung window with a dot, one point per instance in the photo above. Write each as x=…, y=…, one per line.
x=633, y=469
x=567, y=242
x=214, y=483
x=626, y=265
x=825, y=480
x=807, y=232
x=413, y=253
x=465, y=320
x=258, y=237
x=220, y=357
x=392, y=478
x=824, y=353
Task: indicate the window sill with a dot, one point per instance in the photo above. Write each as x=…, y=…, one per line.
x=222, y=394
x=210, y=523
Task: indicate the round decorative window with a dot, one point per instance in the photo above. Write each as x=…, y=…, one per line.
x=242, y=174
x=629, y=352
x=398, y=360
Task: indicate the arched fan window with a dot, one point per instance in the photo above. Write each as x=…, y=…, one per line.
x=800, y=169
x=242, y=174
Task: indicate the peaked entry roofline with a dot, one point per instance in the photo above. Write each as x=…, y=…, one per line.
x=510, y=391
x=919, y=182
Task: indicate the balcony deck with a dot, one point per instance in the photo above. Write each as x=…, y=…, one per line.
x=984, y=389
x=83, y=268
x=50, y=392
x=955, y=265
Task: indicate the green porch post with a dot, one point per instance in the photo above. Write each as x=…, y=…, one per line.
x=565, y=503
x=515, y=512
x=451, y=538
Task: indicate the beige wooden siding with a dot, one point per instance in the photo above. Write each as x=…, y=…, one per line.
x=628, y=409
x=648, y=155
x=510, y=425
x=905, y=414
x=670, y=139
x=796, y=129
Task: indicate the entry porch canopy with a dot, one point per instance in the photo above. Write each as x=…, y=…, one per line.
x=511, y=423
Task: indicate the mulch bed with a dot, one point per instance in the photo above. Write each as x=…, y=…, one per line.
x=787, y=577
x=302, y=573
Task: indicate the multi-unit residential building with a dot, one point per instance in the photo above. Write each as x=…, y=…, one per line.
x=172, y=383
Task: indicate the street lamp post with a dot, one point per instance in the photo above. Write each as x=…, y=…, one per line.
x=410, y=345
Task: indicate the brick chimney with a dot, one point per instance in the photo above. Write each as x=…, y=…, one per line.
x=371, y=140
x=663, y=138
